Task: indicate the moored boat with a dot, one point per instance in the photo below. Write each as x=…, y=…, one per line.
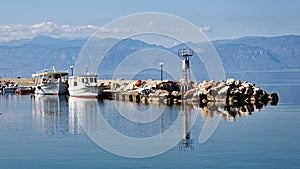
x=84, y=86
x=50, y=83
x=11, y=89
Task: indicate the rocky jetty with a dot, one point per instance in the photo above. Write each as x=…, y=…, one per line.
x=227, y=99
x=231, y=92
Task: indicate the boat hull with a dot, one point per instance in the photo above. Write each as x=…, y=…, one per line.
x=24, y=90
x=84, y=92
x=57, y=88
x=9, y=90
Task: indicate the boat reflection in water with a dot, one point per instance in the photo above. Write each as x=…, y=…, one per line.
x=50, y=116
x=85, y=110
x=133, y=129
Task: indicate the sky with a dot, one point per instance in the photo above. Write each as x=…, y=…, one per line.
x=219, y=19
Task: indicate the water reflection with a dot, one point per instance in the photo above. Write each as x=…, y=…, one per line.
x=50, y=116
x=187, y=142
x=231, y=110
x=133, y=130
x=106, y=121
x=139, y=120
x=85, y=110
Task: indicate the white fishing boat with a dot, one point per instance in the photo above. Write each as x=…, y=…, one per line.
x=84, y=86
x=50, y=83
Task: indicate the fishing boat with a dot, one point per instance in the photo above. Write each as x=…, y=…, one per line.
x=9, y=87
x=50, y=83
x=84, y=86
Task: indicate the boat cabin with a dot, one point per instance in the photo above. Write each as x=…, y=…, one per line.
x=83, y=80
x=48, y=77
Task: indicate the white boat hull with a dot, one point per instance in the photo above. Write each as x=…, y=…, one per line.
x=51, y=88
x=84, y=92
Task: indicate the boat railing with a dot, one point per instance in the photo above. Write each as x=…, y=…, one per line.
x=41, y=71
x=46, y=71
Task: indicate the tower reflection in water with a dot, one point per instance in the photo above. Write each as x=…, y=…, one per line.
x=187, y=142
x=51, y=116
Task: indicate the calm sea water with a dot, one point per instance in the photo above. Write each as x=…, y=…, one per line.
x=61, y=132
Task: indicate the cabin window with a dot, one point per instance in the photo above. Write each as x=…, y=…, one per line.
x=75, y=81
x=95, y=80
x=92, y=80
x=82, y=80
x=56, y=76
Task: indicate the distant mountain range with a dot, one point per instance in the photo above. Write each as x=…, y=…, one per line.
x=21, y=58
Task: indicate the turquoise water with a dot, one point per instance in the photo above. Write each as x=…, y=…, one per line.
x=59, y=132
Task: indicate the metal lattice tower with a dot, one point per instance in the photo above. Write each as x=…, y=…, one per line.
x=185, y=54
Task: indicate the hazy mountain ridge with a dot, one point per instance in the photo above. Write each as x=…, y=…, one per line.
x=285, y=48
x=26, y=56
x=242, y=57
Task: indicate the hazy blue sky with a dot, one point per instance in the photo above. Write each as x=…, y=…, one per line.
x=224, y=18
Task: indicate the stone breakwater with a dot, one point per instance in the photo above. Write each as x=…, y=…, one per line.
x=227, y=99
x=232, y=98
x=231, y=92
